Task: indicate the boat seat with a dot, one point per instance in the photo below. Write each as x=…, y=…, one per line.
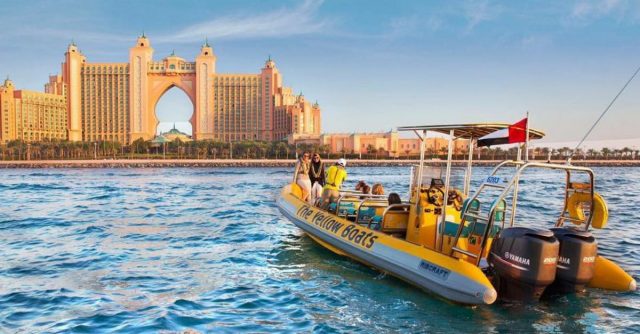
x=369, y=209
x=332, y=207
x=348, y=208
x=395, y=221
x=345, y=209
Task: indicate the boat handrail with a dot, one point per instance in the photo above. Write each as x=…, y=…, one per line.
x=355, y=196
x=393, y=206
x=371, y=202
x=398, y=205
x=521, y=166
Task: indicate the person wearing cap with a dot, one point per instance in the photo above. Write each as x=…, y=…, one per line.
x=334, y=177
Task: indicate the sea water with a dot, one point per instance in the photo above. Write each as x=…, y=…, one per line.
x=206, y=250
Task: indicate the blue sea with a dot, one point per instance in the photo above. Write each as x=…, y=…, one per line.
x=206, y=250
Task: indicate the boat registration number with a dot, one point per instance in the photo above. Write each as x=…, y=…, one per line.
x=434, y=270
x=495, y=180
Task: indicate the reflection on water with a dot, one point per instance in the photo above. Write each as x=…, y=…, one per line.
x=143, y=250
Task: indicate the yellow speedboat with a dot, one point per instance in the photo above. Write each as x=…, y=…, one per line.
x=466, y=248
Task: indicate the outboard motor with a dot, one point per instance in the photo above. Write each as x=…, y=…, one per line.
x=578, y=251
x=523, y=261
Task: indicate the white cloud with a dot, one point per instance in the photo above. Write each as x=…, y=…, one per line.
x=279, y=23
x=477, y=12
x=591, y=9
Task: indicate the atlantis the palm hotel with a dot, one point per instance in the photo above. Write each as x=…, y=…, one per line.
x=116, y=102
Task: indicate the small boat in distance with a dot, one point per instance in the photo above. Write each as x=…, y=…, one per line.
x=467, y=247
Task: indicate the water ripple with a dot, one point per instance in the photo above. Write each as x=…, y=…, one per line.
x=149, y=250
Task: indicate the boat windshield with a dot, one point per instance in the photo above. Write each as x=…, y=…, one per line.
x=436, y=176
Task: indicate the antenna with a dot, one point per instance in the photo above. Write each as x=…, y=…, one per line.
x=603, y=113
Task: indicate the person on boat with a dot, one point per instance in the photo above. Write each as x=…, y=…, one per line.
x=394, y=198
x=316, y=175
x=364, y=188
x=335, y=175
x=377, y=189
x=302, y=176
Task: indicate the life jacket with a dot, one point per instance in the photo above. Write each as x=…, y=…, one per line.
x=334, y=178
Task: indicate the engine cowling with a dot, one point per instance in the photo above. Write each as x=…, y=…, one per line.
x=578, y=251
x=523, y=261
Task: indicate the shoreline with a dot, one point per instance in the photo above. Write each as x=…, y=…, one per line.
x=207, y=163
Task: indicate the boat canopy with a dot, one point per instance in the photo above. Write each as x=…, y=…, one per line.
x=467, y=131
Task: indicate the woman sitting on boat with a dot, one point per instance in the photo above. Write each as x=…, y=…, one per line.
x=302, y=176
x=377, y=189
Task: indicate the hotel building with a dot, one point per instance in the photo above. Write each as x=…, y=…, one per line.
x=31, y=116
x=385, y=144
x=116, y=101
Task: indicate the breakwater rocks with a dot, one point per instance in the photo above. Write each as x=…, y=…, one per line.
x=171, y=163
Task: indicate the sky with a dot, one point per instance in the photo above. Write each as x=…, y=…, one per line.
x=371, y=65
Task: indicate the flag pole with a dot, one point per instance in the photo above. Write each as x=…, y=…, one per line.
x=526, y=143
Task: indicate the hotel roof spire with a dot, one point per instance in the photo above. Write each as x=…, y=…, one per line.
x=7, y=82
x=270, y=63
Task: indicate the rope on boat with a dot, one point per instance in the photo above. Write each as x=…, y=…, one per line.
x=603, y=113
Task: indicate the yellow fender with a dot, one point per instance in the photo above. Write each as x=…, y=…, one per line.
x=609, y=276
x=600, y=210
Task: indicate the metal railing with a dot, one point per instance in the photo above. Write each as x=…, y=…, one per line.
x=513, y=184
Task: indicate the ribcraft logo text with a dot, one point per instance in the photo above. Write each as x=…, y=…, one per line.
x=326, y=221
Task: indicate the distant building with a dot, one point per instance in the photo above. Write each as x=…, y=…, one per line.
x=31, y=116
x=116, y=101
x=296, y=117
x=387, y=144
x=174, y=134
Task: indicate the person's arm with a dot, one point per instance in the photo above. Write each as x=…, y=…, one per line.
x=295, y=173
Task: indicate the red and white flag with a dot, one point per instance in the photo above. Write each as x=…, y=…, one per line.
x=515, y=133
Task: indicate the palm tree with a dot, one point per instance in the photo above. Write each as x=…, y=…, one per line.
x=545, y=152
x=383, y=151
x=281, y=147
x=324, y=150
x=371, y=150
x=444, y=151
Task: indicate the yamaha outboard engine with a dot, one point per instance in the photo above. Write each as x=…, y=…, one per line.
x=578, y=251
x=523, y=261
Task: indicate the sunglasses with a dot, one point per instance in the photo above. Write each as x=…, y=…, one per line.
x=306, y=156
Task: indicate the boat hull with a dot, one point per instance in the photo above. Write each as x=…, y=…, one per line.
x=451, y=278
